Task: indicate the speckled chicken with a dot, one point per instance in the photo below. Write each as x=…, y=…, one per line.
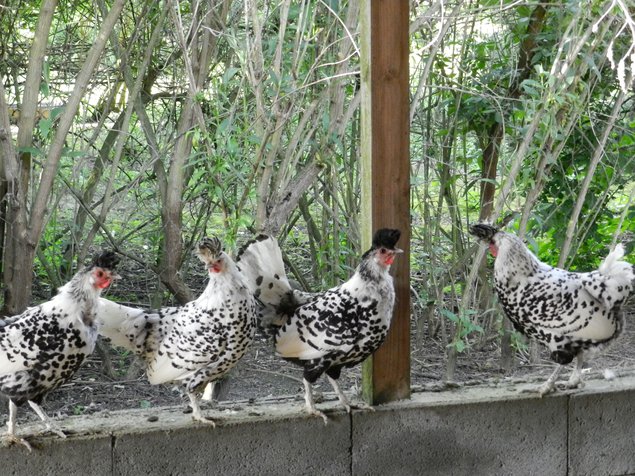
x=324, y=332
x=43, y=347
x=197, y=343
x=573, y=314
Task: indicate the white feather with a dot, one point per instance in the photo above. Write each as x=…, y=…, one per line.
x=119, y=322
x=613, y=257
x=15, y=356
x=182, y=353
x=559, y=306
x=615, y=276
x=262, y=266
x=12, y=358
x=288, y=341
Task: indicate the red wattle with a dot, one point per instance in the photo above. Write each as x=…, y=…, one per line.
x=493, y=249
x=103, y=284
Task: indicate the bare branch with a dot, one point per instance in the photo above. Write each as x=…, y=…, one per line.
x=36, y=222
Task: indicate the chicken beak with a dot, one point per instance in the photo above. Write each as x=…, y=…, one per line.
x=397, y=251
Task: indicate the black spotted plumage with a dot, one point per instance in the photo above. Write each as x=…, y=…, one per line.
x=324, y=332
x=43, y=347
x=197, y=343
x=570, y=313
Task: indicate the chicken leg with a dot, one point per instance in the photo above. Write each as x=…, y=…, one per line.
x=11, y=437
x=197, y=415
x=310, y=403
x=50, y=426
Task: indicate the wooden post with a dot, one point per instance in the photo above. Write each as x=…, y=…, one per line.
x=386, y=177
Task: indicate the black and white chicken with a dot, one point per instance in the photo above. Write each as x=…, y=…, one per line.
x=573, y=314
x=197, y=343
x=43, y=347
x=324, y=332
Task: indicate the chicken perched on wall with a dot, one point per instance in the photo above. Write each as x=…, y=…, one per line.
x=197, y=343
x=44, y=346
x=573, y=314
x=324, y=332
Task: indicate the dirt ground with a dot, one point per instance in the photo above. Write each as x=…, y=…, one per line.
x=261, y=376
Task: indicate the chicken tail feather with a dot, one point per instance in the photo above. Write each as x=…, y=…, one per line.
x=618, y=279
x=614, y=267
x=260, y=262
x=612, y=258
x=124, y=326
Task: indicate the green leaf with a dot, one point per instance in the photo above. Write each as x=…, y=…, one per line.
x=44, y=126
x=223, y=126
x=46, y=73
x=34, y=151
x=450, y=315
x=459, y=345
x=73, y=154
x=229, y=74
x=56, y=111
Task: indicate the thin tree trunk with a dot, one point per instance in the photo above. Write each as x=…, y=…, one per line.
x=19, y=245
x=36, y=222
x=496, y=132
x=117, y=136
x=582, y=193
x=9, y=176
x=197, y=65
x=492, y=149
x=279, y=191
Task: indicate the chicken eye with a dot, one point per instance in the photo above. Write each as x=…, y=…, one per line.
x=99, y=274
x=382, y=251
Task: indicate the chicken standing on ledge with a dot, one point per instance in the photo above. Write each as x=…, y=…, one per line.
x=324, y=332
x=44, y=346
x=197, y=343
x=573, y=314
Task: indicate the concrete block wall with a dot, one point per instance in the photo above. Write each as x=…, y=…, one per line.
x=602, y=431
x=490, y=437
x=471, y=431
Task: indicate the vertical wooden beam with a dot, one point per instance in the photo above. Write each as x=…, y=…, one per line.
x=386, y=177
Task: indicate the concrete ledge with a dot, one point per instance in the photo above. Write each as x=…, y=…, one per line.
x=602, y=431
x=477, y=430
x=465, y=437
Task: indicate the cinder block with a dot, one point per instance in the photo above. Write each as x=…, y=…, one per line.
x=73, y=456
x=301, y=445
x=472, y=431
x=476, y=437
x=602, y=433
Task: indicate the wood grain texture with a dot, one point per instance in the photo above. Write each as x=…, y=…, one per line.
x=386, y=178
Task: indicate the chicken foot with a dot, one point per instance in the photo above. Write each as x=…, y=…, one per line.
x=310, y=402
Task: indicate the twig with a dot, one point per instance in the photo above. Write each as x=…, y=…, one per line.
x=271, y=372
